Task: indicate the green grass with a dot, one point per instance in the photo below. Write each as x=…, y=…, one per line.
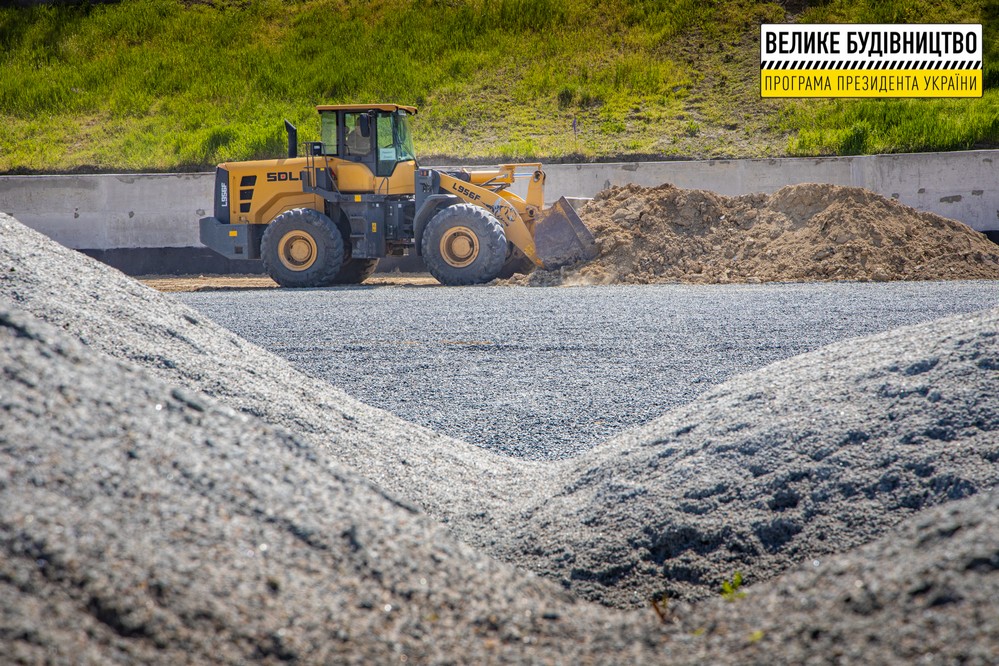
x=858, y=127
x=165, y=84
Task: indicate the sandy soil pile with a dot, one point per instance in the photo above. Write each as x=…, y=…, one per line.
x=800, y=233
x=128, y=489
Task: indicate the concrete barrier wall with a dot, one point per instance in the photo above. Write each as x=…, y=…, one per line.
x=104, y=212
x=112, y=216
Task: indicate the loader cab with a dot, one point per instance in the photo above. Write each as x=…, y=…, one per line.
x=373, y=147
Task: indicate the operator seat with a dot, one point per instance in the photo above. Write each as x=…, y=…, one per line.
x=357, y=144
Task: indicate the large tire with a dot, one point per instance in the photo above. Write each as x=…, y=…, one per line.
x=302, y=248
x=516, y=262
x=355, y=271
x=464, y=244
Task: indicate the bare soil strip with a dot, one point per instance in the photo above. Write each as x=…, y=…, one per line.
x=190, y=283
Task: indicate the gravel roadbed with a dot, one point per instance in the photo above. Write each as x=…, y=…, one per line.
x=548, y=373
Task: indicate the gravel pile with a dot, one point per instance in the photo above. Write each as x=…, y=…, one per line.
x=800, y=233
x=195, y=532
x=143, y=523
x=806, y=457
x=927, y=593
x=116, y=315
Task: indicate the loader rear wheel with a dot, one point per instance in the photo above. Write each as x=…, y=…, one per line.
x=302, y=248
x=464, y=244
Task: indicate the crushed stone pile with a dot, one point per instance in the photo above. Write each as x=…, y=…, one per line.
x=809, y=232
x=924, y=594
x=812, y=455
x=131, y=322
x=801, y=459
x=119, y=522
x=142, y=522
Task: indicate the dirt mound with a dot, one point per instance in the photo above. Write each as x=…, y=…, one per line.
x=800, y=233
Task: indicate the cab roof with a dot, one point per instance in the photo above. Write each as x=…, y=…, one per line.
x=366, y=107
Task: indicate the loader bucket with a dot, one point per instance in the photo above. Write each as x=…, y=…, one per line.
x=560, y=238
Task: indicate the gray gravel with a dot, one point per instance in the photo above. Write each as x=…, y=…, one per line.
x=143, y=523
x=927, y=593
x=456, y=482
x=801, y=459
x=548, y=373
x=102, y=497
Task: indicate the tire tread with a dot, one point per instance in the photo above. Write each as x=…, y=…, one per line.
x=325, y=233
x=492, y=241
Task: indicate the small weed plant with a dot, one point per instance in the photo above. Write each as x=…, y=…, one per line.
x=731, y=589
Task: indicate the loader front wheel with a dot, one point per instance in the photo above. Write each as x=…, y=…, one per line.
x=302, y=248
x=464, y=244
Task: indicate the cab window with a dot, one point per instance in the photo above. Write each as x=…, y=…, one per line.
x=327, y=130
x=386, y=145
x=394, y=142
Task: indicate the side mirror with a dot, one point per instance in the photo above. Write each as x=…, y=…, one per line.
x=365, y=122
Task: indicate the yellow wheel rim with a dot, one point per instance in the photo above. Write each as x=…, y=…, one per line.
x=459, y=246
x=297, y=250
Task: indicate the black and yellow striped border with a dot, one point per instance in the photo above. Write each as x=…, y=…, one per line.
x=885, y=64
x=870, y=82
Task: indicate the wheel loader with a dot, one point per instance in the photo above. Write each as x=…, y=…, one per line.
x=358, y=194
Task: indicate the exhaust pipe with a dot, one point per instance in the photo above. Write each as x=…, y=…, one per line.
x=292, y=139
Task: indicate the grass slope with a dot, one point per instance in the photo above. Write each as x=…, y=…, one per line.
x=166, y=84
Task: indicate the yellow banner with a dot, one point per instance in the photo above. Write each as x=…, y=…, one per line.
x=871, y=83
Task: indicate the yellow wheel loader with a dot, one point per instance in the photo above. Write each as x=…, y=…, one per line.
x=358, y=195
